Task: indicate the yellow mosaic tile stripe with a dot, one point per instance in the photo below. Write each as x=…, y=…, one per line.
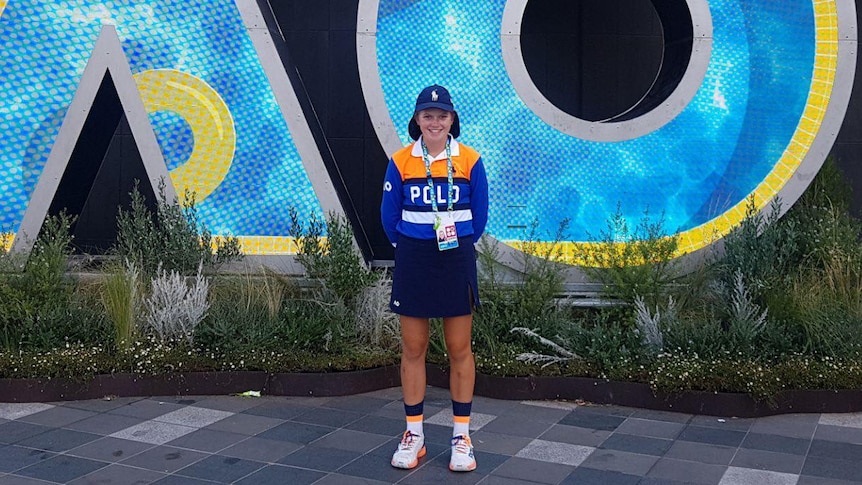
x=825, y=65
x=6, y=238
x=2, y=6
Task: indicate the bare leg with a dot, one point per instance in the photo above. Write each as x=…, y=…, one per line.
x=458, y=333
x=414, y=338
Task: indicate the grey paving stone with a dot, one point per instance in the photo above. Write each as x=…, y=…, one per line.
x=357, y=404
x=15, y=431
x=847, y=420
x=61, y=468
x=434, y=433
x=193, y=416
x=745, y=476
x=153, y=432
x=575, y=435
x=14, y=457
x=233, y=404
x=536, y=413
x=661, y=481
x=712, y=436
x=100, y=405
x=498, y=480
x=345, y=439
x=119, y=474
x=319, y=458
x=145, y=409
x=246, y=424
x=295, y=432
x=533, y=470
x=776, y=443
x=207, y=440
x=819, y=466
x=517, y=426
x=768, y=460
x=722, y=422
x=637, y=444
x=389, y=394
x=838, y=433
x=620, y=461
x=105, y=424
x=165, y=459
x=19, y=480
x=57, y=417
x=263, y=450
x=835, y=450
x=277, y=409
x=607, y=409
x=338, y=479
x=379, y=425
x=180, y=480
x=666, y=416
x=445, y=418
x=701, y=452
x=592, y=420
x=280, y=474
x=589, y=476
x=805, y=480
x=334, y=418
x=791, y=425
x=180, y=400
x=499, y=443
x=687, y=471
x=651, y=428
x=12, y=410
x=553, y=452
x=110, y=449
x=222, y=469
x=59, y=440
x=438, y=474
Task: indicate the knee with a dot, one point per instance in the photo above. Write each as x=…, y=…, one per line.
x=460, y=353
x=414, y=351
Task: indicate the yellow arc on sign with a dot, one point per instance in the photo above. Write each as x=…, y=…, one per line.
x=209, y=118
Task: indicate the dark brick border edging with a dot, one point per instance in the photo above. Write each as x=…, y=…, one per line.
x=347, y=383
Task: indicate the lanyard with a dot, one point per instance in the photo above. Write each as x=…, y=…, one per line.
x=449, y=173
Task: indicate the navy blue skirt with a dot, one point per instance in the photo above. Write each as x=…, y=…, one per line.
x=429, y=283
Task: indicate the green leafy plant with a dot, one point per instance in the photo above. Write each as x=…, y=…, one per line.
x=122, y=296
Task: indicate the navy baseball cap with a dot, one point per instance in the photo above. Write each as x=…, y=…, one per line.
x=435, y=96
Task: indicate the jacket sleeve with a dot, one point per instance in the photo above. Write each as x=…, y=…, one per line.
x=390, y=206
x=479, y=199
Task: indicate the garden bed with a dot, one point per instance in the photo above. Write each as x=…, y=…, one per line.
x=347, y=383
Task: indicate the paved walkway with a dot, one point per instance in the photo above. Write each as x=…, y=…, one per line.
x=349, y=440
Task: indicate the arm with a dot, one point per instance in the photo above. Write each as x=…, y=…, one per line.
x=479, y=199
x=390, y=206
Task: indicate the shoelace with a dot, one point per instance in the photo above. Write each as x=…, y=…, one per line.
x=408, y=439
x=461, y=444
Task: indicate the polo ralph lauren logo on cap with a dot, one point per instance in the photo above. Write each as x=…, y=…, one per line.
x=434, y=96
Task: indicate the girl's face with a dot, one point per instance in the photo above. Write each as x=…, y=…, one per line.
x=435, y=124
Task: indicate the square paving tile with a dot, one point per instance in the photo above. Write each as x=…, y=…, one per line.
x=651, y=428
x=805, y=480
x=533, y=412
x=258, y=449
x=849, y=420
x=145, y=409
x=110, y=449
x=445, y=418
x=701, y=452
x=664, y=416
x=180, y=480
x=776, y=443
x=358, y=404
x=338, y=479
x=735, y=424
x=637, y=444
x=105, y=424
x=153, y=432
x=553, y=452
x=59, y=440
x=687, y=471
x=620, y=461
x=533, y=470
x=193, y=416
x=14, y=457
x=165, y=459
x=820, y=466
x=345, y=439
x=840, y=434
x=791, y=425
x=279, y=475
x=119, y=474
x=61, y=468
x=575, y=435
x=835, y=450
x=744, y=476
x=207, y=440
x=768, y=460
x=100, y=405
x=13, y=410
x=57, y=417
x=222, y=469
x=277, y=409
x=334, y=418
x=499, y=443
x=296, y=432
x=247, y=424
x=713, y=436
x=592, y=420
x=19, y=480
x=379, y=425
x=322, y=459
x=516, y=426
x=589, y=476
x=15, y=431
x=233, y=404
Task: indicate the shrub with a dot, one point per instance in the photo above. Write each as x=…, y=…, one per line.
x=174, y=309
x=122, y=295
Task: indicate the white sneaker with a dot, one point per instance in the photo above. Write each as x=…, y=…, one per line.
x=411, y=448
x=462, y=459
